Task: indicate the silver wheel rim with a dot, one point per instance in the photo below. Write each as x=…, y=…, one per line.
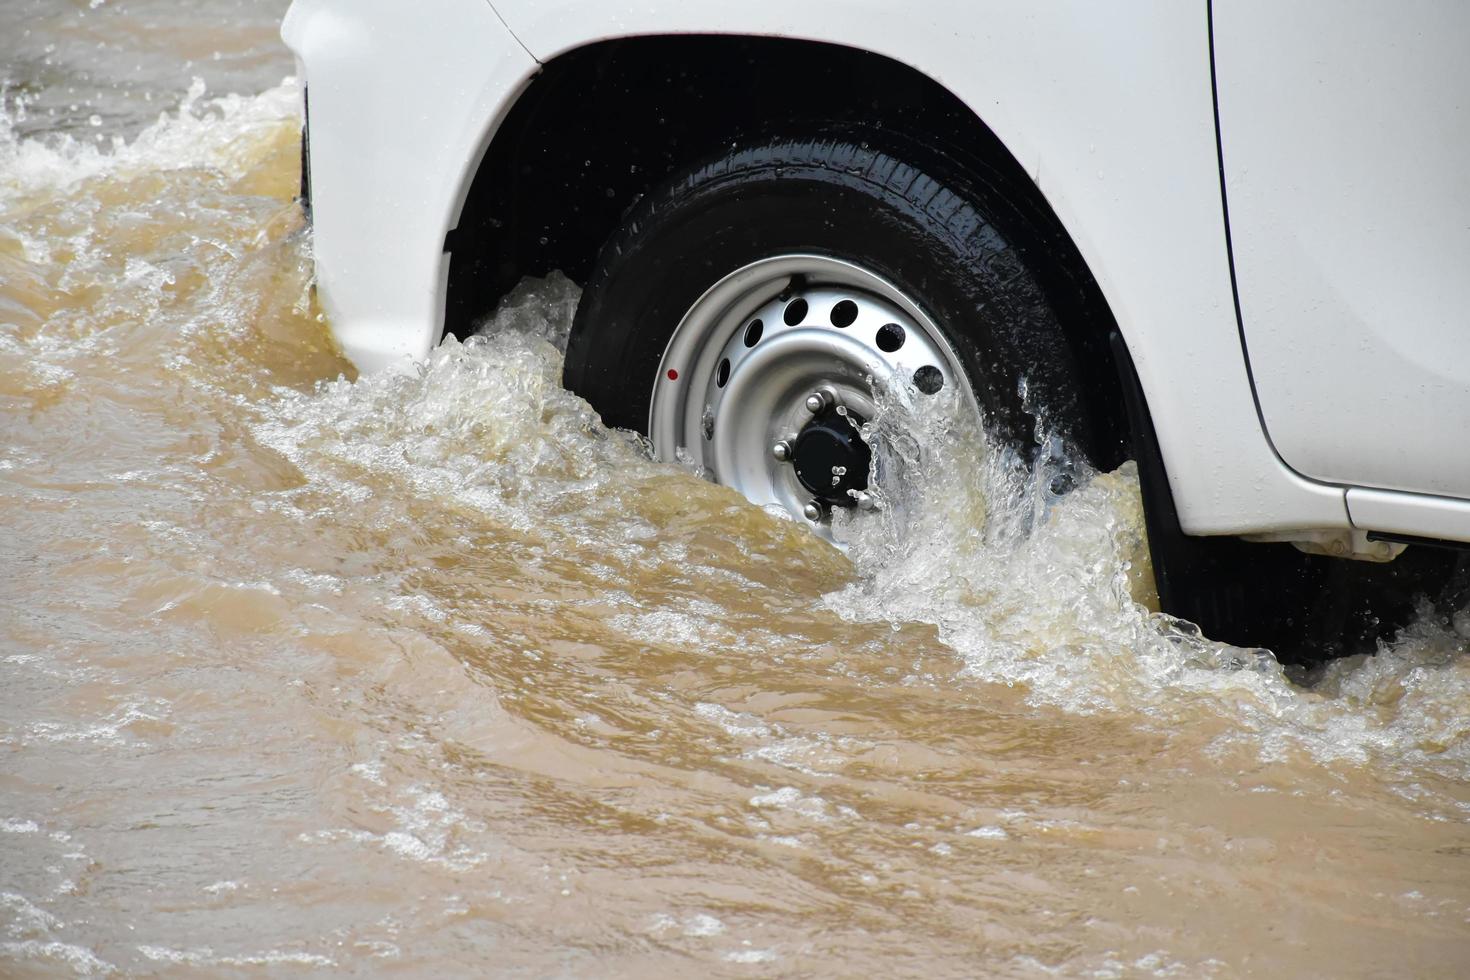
x=774, y=370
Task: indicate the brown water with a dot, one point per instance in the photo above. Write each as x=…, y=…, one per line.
x=429, y=673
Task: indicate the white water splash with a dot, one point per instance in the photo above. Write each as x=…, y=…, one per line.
x=212, y=133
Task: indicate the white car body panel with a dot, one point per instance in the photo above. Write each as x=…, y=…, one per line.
x=1345, y=127
x=1109, y=107
x=403, y=96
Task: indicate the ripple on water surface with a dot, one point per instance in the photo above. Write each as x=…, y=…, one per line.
x=430, y=668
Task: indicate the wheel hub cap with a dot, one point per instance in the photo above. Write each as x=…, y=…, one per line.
x=831, y=459
x=768, y=382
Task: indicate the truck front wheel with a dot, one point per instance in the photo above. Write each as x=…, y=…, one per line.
x=748, y=313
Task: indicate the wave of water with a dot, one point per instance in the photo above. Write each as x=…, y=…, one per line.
x=217, y=133
x=1029, y=588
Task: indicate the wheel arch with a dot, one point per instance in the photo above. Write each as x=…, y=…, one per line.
x=601, y=124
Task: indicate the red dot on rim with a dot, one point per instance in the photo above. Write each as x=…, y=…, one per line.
x=673, y=375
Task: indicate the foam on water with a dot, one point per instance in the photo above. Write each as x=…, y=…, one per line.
x=214, y=133
x=1055, y=592
x=1029, y=587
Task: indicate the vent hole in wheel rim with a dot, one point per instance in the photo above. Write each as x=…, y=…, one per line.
x=753, y=333
x=890, y=337
x=724, y=373
x=844, y=314
x=929, y=379
x=795, y=312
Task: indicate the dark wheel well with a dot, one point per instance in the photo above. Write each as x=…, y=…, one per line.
x=601, y=125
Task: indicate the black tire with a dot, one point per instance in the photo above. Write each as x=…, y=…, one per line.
x=948, y=241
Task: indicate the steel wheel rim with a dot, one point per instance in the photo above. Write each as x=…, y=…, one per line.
x=739, y=376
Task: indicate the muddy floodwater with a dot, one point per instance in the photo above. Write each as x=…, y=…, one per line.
x=430, y=673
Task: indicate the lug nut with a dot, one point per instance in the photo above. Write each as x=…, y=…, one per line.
x=864, y=500
x=813, y=511
x=782, y=451
x=817, y=402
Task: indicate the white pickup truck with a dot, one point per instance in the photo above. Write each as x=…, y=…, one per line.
x=1229, y=239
